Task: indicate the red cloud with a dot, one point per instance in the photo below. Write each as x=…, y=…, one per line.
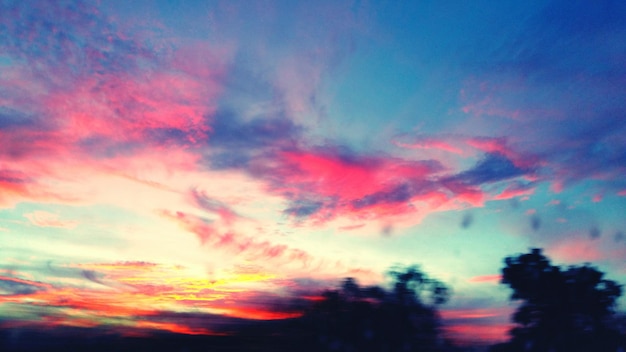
x=172, y=327
x=478, y=334
x=477, y=325
x=260, y=314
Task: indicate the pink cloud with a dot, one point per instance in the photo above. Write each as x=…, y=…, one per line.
x=369, y=188
x=31, y=187
x=201, y=200
x=495, y=278
x=326, y=186
x=122, y=107
x=464, y=193
x=577, y=250
x=331, y=175
x=75, y=119
x=514, y=191
x=557, y=186
x=352, y=227
x=217, y=235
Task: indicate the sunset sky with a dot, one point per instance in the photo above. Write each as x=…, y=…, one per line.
x=165, y=165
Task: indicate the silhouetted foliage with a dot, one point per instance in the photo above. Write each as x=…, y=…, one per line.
x=371, y=318
x=561, y=309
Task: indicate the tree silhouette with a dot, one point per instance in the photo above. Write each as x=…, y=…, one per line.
x=561, y=309
x=355, y=318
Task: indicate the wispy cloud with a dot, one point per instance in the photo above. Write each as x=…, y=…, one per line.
x=45, y=219
x=218, y=235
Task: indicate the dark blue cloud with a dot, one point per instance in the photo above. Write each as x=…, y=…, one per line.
x=303, y=208
x=535, y=222
x=167, y=136
x=398, y=194
x=229, y=131
x=595, y=232
x=229, y=160
x=235, y=143
x=492, y=168
x=10, y=119
x=8, y=286
x=92, y=276
x=467, y=221
x=103, y=147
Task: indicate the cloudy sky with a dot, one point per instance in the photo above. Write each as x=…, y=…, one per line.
x=162, y=163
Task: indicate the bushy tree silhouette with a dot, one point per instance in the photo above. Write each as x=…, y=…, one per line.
x=355, y=318
x=561, y=309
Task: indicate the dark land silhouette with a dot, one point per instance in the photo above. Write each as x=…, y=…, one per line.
x=355, y=318
x=560, y=309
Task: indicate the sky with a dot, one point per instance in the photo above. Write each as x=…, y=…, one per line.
x=166, y=166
